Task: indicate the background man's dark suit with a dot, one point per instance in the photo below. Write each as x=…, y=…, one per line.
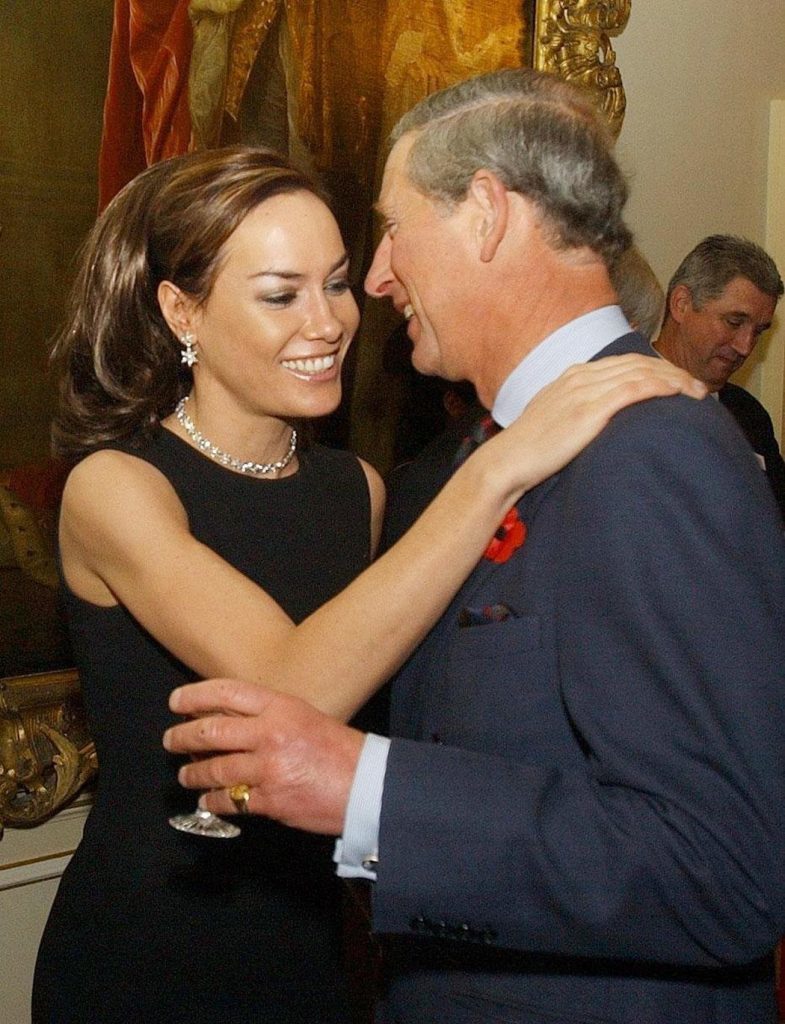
x=756, y=424
x=412, y=485
x=611, y=750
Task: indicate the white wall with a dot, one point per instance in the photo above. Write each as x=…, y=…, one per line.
x=699, y=77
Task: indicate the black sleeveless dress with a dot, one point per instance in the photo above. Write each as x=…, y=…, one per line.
x=153, y=925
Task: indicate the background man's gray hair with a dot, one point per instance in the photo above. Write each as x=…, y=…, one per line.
x=640, y=293
x=541, y=136
x=715, y=261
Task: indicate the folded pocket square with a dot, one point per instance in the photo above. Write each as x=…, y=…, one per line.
x=487, y=613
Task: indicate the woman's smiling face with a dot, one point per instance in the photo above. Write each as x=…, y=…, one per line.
x=280, y=316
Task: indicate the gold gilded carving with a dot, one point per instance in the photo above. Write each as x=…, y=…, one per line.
x=572, y=38
x=46, y=754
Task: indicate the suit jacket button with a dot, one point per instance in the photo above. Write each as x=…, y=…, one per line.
x=436, y=738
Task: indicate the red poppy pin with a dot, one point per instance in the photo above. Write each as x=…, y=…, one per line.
x=507, y=539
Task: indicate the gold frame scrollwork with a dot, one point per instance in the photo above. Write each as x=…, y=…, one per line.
x=572, y=38
x=46, y=754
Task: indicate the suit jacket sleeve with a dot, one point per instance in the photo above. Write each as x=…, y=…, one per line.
x=756, y=424
x=664, y=838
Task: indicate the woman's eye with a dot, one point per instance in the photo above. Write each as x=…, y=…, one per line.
x=338, y=287
x=279, y=299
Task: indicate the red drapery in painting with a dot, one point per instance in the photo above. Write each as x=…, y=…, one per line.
x=146, y=116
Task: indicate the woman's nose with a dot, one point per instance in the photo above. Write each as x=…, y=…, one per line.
x=324, y=323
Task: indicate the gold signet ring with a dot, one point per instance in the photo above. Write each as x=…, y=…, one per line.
x=240, y=795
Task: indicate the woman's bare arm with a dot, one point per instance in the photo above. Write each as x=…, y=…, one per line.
x=125, y=538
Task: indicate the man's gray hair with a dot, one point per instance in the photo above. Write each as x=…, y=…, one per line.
x=640, y=293
x=543, y=139
x=715, y=261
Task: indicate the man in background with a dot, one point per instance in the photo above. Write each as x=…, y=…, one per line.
x=719, y=302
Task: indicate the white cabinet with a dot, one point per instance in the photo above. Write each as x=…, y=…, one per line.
x=31, y=863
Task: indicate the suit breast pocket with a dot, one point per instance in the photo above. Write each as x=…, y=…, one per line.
x=500, y=693
x=493, y=640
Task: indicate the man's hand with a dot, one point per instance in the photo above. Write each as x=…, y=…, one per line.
x=298, y=762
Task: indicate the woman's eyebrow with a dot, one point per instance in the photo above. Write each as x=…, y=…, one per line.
x=290, y=275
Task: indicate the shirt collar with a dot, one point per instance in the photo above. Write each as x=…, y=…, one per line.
x=575, y=342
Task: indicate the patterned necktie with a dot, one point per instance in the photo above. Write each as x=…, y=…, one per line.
x=511, y=532
x=480, y=431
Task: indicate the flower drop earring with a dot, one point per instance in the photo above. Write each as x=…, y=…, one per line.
x=189, y=343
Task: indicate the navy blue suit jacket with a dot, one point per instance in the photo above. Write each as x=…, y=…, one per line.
x=584, y=807
x=756, y=424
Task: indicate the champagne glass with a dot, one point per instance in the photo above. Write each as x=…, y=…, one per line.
x=204, y=823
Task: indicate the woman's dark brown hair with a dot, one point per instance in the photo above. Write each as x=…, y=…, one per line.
x=118, y=363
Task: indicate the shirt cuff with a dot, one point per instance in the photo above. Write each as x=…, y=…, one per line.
x=357, y=851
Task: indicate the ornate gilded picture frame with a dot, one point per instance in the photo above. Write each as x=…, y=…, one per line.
x=46, y=754
x=572, y=38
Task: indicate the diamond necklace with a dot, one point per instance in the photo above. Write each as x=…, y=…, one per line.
x=251, y=468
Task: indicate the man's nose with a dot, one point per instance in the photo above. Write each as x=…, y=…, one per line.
x=745, y=340
x=380, y=276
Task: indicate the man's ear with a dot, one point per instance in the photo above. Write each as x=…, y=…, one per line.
x=176, y=308
x=680, y=302
x=490, y=195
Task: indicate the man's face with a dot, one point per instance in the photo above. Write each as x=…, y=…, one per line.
x=714, y=341
x=421, y=266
